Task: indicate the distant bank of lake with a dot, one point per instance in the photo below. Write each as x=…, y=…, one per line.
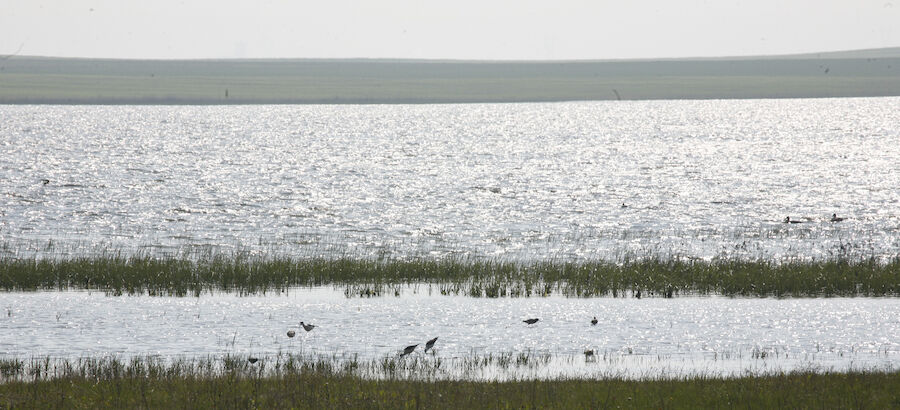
x=40, y=80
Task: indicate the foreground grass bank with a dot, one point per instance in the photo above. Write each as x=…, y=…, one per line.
x=362, y=277
x=120, y=385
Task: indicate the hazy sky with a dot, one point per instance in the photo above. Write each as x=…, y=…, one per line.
x=460, y=29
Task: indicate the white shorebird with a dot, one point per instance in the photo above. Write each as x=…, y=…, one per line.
x=430, y=344
x=307, y=327
x=408, y=349
x=531, y=321
x=594, y=321
x=291, y=333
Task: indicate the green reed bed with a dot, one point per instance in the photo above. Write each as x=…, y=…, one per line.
x=651, y=277
x=153, y=384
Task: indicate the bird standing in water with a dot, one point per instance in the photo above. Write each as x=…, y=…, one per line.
x=408, y=349
x=430, y=344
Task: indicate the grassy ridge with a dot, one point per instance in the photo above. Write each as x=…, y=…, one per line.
x=114, y=384
x=651, y=277
x=36, y=80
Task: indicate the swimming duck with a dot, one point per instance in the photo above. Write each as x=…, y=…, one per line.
x=531, y=321
x=835, y=218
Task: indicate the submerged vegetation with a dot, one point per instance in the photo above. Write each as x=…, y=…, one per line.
x=235, y=382
x=652, y=277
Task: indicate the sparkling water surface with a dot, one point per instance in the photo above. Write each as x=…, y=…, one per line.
x=633, y=337
x=698, y=179
x=510, y=181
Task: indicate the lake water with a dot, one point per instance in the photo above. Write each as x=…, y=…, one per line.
x=634, y=337
x=697, y=179
x=508, y=181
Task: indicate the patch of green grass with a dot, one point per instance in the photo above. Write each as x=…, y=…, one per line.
x=365, y=277
x=237, y=384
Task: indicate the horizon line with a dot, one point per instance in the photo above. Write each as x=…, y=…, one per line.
x=813, y=54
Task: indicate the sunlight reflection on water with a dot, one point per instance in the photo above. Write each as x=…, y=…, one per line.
x=510, y=181
x=634, y=337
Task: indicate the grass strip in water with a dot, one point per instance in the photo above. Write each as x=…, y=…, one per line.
x=150, y=383
x=365, y=277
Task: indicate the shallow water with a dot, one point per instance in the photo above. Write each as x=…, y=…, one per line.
x=634, y=337
x=511, y=181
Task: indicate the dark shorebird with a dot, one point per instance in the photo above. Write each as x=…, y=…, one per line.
x=429, y=344
x=307, y=327
x=835, y=218
x=788, y=220
x=408, y=349
x=531, y=321
x=291, y=333
x=594, y=321
x=252, y=360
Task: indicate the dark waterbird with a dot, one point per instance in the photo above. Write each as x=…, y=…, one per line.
x=429, y=344
x=408, y=349
x=788, y=220
x=45, y=181
x=531, y=321
x=252, y=360
x=291, y=333
x=594, y=321
x=835, y=218
x=307, y=327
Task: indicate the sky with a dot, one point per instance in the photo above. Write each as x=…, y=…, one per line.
x=460, y=29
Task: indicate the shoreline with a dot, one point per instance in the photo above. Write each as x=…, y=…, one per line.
x=152, y=384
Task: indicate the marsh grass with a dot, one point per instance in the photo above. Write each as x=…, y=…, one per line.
x=291, y=382
x=646, y=277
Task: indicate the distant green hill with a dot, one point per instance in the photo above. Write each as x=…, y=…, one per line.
x=43, y=80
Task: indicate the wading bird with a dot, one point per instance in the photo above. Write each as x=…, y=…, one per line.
x=307, y=327
x=408, y=349
x=429, y=344
x=835, y=218
x=531, y=321
x=594, y=321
